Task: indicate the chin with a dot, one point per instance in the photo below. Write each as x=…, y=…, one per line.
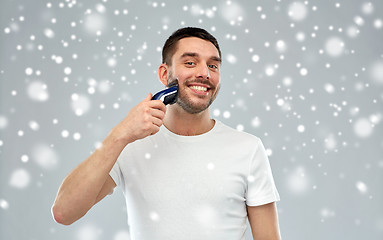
x=193, y=108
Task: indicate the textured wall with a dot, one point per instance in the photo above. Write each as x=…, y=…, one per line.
x=305, y=76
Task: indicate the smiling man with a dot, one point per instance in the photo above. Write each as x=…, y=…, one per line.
x=183, y=174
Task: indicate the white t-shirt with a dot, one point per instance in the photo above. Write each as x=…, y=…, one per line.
x=193, y=187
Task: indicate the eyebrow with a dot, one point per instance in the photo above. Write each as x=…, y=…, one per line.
x=192, y=54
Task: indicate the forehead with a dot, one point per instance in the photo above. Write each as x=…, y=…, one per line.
x=196, y=45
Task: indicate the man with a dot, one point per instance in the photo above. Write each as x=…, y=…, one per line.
x=183, y=174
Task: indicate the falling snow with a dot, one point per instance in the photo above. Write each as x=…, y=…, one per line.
x=361, y=186
x=297, y=11
x=122, y=235
x=80, y=104
x=4, y=204
x=334, y=46
x=297, y=181
x=38, y=91
x=20, y=178
x=376, y=71
x=89, y=232
x=45, y=156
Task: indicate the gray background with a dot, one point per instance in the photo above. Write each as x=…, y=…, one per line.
x=306, y=77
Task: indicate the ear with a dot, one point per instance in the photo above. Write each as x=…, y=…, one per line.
x=163, y=71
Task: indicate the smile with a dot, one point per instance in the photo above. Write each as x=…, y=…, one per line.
x=199, y=88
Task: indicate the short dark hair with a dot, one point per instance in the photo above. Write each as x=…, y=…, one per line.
x=170, y=45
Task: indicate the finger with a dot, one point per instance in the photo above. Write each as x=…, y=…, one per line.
x=157, y=122
x=156, y=129
x=157, y=113
x=148, y=97
x=158, y=104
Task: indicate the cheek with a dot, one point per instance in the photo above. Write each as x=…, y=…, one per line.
x=186, y=74
x=180, y=75
x=216, y=80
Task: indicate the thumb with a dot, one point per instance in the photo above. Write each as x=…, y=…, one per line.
x=148, y=97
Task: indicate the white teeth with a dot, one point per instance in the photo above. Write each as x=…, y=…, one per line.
x=199, y=88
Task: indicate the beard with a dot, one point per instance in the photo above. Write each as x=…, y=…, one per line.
x=186, y=102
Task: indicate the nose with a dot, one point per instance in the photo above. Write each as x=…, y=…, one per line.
x=203, y=72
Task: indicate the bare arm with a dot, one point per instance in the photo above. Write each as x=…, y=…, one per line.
x=264, y=222
x=80, y=189
x=90, y=182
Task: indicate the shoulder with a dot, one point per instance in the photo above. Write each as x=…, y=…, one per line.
x=236, y=135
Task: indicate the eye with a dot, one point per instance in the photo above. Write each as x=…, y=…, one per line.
x=213, y=66
x=189, y=64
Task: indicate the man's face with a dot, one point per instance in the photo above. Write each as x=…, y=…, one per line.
x=196, y=64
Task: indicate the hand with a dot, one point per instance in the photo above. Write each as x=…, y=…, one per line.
x=143, y=120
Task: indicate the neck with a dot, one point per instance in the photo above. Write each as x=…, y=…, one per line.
x=183, y=123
